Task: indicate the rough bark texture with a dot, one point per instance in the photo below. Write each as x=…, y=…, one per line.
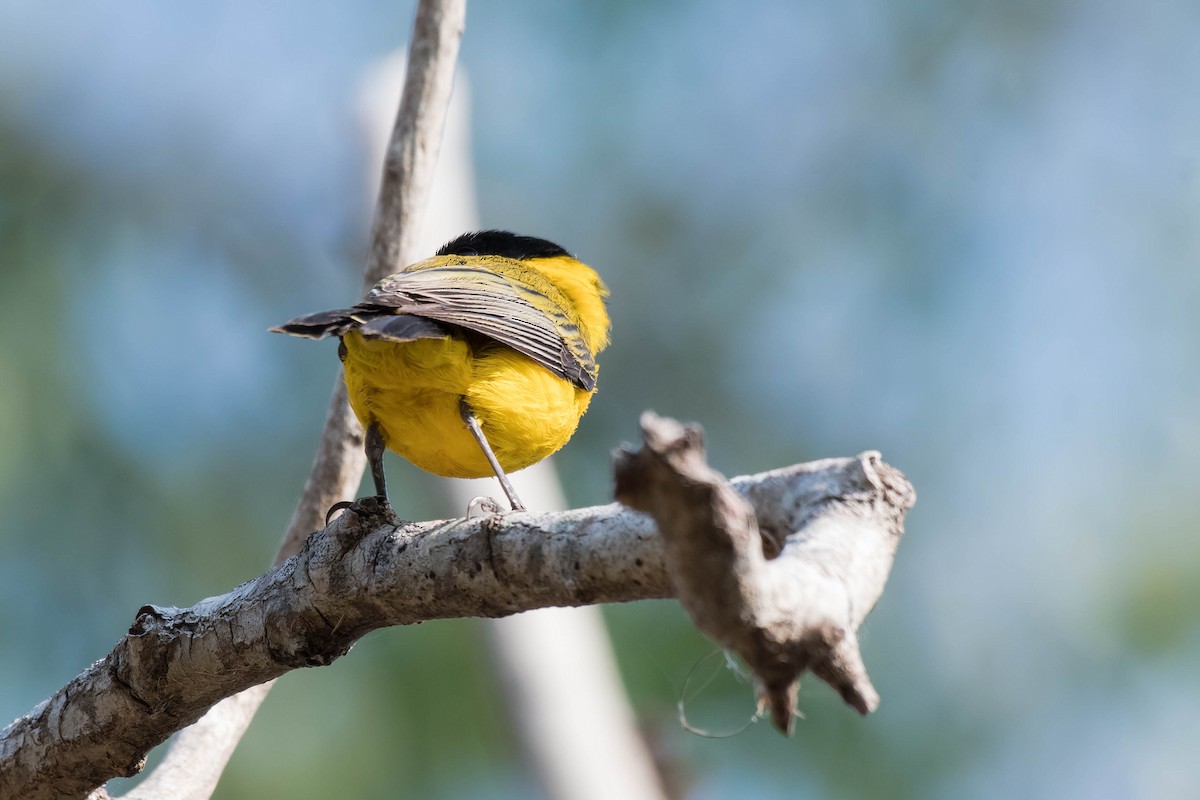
x=838, y=521
x=781, y=570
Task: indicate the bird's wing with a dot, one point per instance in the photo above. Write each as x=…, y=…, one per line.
x=517, y=313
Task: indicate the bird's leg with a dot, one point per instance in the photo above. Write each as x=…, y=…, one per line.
x=374, y=448
x=473, y=424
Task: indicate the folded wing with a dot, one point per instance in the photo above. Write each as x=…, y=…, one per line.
x=410, y=305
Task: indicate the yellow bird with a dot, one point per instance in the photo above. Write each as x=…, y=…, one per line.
x=478, y=361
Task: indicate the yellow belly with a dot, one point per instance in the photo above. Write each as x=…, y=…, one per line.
x=413, y=390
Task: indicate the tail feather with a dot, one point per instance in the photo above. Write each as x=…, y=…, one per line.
x=319, y=325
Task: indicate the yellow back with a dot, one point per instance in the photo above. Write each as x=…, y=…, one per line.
x=585, y=291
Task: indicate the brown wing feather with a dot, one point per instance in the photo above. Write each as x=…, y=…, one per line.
x=499, y=307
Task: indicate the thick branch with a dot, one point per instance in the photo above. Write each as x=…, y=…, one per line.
x=791, y=598
x=368, y=570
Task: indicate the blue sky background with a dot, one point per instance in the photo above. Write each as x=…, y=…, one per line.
x=963, y=233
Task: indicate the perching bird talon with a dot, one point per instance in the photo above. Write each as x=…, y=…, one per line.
x=364, y=506
x=336, y=507
x=483, y=507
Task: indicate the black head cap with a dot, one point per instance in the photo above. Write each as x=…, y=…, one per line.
x=501, y=243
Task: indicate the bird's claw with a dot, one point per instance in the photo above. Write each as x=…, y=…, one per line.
x=336, y=507
x=370, y=505
x=483, y=507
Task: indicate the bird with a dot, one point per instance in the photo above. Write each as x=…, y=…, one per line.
x=478, y=361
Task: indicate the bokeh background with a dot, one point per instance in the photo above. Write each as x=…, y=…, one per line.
x=963, y=233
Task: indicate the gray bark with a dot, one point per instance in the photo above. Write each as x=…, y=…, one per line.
x=832, y=525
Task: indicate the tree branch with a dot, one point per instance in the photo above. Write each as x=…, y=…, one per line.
x=787, y=601
x=836, y=519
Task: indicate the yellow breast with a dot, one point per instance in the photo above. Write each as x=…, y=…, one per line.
x=412, y=389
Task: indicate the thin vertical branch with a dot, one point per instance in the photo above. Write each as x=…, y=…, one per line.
x=408, y=167
x=408, y=170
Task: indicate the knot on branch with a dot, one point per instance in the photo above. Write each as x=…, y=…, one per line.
x=786, y=588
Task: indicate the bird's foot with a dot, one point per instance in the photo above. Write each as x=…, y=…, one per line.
x=336, y=507
x=363, y=507
x=483, y=507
